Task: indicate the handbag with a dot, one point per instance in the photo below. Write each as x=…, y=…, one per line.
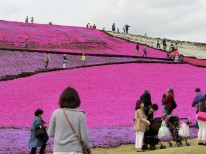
x=201, y=115
x=163, y=131
x=84, y=149
x=184, y=130
x=39, y=132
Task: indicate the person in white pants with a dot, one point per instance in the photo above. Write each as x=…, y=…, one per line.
x=140, y=125
x=64, y=60
x=202, y=123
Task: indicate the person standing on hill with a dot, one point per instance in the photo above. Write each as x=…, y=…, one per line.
x=113, y=27
x=32, y=20
x=124, y=29
x=145, y=51
x=158, y=44
x=137, y=50
x=27, y=19
x=196, y=101
x=47, y=60
x=94, y=26
x=127, y=28
x=164, y=44
x=64, y=60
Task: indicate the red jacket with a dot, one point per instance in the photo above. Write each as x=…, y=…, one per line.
x=169, y=101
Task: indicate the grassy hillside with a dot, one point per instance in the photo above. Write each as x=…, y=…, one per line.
x=193, y=49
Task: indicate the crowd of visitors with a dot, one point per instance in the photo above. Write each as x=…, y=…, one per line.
x=125, y=28
x=91, y=26
x=69, y=129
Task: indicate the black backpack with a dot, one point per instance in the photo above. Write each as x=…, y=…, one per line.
x=174, y=104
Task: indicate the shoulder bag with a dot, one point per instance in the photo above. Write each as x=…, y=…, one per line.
x=85, y=150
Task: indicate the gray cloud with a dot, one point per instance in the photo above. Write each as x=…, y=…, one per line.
x=178, y=19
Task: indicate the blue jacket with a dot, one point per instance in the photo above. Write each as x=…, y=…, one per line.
x=33, y=141
x=197, y=99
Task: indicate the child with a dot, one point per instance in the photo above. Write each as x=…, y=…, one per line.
x=83, y=59
x=163, y=106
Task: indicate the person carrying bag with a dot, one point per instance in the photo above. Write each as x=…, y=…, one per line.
x=85, y=150
x=201, y=118
x=72, y=139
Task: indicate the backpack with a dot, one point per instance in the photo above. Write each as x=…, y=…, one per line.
x=163, y=131
x=184, y=130
x=174, y=104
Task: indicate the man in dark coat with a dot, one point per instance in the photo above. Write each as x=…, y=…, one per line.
x=146, y=98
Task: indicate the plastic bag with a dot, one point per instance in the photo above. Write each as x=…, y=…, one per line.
x=184, y=130
x=163, y=131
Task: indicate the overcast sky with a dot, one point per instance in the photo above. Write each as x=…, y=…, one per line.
x=177, y=19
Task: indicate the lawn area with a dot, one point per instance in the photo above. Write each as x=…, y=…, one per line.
x=129, y=149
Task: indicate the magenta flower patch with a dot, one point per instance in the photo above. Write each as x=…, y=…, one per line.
x=108, y=93
x=66, y=39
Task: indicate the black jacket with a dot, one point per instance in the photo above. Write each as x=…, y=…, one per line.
x=148, y=114
x=203, y=105
x=146, y=98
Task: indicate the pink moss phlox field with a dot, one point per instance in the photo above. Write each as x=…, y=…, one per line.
x=194, y=61
x=108, y=93
x=66, y=39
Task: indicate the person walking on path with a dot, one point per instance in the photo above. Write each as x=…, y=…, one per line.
x=158, y=44
x=140, y=124
x=26, y=44
x=35, y=142
x=83, y=59
x=67, y=119
x=202, y=123
x=145, y=51
x=146, y=98
x=47, y=60
x=64, y=60
x=137, y=50
x=164, y=44
x=197, y=100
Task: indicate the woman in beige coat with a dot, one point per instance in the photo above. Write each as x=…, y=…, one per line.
x=140, y=125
